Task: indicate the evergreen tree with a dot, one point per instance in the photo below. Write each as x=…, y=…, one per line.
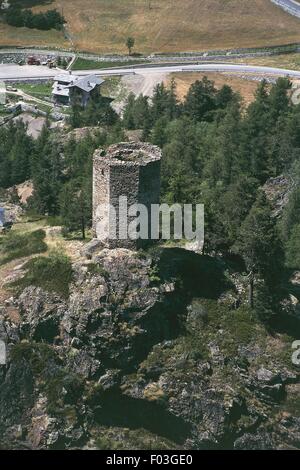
x=225, y=97
x=142, y=113
x=47, y=180
x=224, y=162
x=16, y=149
x=160, y=101
x=255, y=136
x=75, y=119
x=293, y=248
x=129, y=112
x=130, y=41
x=200, y=101
x=173, y=108
x=291, y=214
x=279, y=99
x=158, y=134
x=233, y=207
x=75, y=206
x=260, y=247
x=20, y=155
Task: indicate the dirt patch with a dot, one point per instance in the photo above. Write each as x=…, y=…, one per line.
x=139, y=84
x=24, y=191
x=143, y=84
x=245, y=87
x=55, y=241
x=34, y=124
x=14, y=270
x=9, y=273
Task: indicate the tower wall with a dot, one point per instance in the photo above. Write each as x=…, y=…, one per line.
x=126, y=169
x=101, y=177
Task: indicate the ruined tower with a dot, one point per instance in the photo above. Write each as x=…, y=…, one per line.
x=127, y=170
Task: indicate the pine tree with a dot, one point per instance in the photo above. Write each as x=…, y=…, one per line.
x=75, y=119
x=173, y=108
x=226, y=96
x=260, y=247
x=255, y=136
x=160, y=102
x=279, y=99
x=293, y=248
x=291, y=215
x=200, y=101
x=130, y=44
x=234, y=205
x=223, y=166
x=47, y=180
x=75, y=206
x=129, y=112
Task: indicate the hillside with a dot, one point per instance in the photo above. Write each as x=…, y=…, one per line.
x=171, y=25
x=161, y=348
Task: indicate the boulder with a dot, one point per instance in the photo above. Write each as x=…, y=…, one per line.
x=268, y=377
x=90, y=248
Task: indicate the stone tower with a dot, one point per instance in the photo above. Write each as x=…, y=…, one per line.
x=130, y=170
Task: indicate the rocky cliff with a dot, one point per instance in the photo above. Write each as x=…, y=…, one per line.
x=151, y=350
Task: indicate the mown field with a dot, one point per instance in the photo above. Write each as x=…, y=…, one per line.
x=168, y=26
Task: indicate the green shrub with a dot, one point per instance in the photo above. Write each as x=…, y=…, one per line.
x=293, y=249
x=53, y=274
x=19, y=245
x=241, y=325
x=54, y=220
x=37, y=354
x=292, y=402
x=51, y=376
x=237, y=327
x=95, y=269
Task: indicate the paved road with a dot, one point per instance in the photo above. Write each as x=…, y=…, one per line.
x=291, y=6
x=27, y=72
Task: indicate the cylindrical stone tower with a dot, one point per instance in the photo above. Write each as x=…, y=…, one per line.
x=126, y=172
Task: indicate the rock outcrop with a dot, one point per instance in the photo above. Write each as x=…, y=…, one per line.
x=277, y=191
x=145, y=352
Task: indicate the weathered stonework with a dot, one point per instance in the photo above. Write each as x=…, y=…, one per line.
x=128, y=169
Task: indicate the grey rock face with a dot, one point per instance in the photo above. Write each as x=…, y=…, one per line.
x=259, y=441
x=267, y=376
x=114, y=312
x=114, y=355
x=91, y=248
x=16, y=397
x=41, y=313
x=278, y=191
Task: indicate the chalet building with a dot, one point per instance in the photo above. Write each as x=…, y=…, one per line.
x=69, y=89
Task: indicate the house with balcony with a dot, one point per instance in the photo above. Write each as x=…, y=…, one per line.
x=69, y=89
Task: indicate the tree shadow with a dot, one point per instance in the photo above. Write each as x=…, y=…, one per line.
x=197, y=275
x=287, y=323
x=118, y=410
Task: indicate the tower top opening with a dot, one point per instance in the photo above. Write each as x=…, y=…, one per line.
x=130, y=153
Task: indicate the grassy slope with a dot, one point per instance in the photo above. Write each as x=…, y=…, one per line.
x=87, y=64
x=10, y=36
x=289, y=61
x=171, y=25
